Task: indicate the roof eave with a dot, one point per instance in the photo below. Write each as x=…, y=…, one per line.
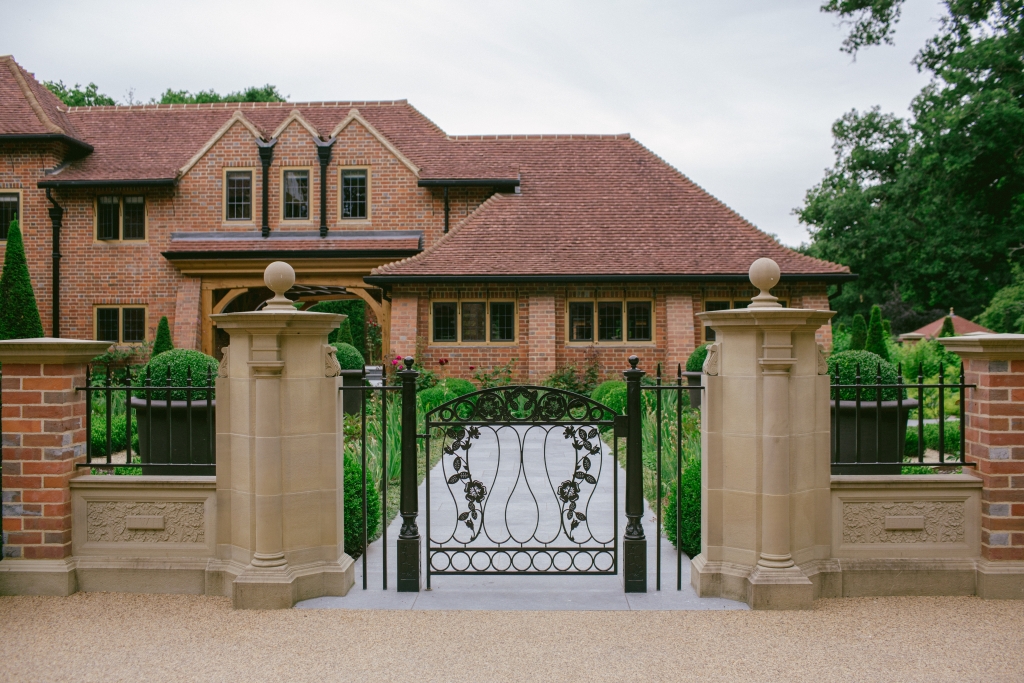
x=285, y=253
x=468, y=182
x=79, y=145
x=133, y=182
x=384, y=279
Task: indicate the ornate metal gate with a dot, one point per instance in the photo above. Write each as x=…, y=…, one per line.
x=526, y=484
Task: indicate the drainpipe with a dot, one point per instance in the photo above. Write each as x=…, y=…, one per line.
x=266, y=157
x=323, y=150
x=446, y=212
x=57, y=219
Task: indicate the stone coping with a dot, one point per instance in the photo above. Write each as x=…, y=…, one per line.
x=50, y=350
x=767, y=317
x=911, y=481
x=101, y=481
x=295, y=321
x=986, y=346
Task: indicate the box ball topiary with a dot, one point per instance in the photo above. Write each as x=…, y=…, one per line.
x=689, y=509
x=695, y=363
x=870, y=365
x=349, y=357
x=354, y=508
x=612, y=394
x=179, y=362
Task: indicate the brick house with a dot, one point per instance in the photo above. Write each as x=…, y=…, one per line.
x=547, y=249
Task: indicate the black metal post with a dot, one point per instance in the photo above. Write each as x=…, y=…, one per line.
x=634, y=543
x=323, y=150
x=409, y=552
x=266, y=157
x=56, y=219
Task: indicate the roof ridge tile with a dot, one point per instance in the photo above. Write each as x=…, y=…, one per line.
x=199, y=106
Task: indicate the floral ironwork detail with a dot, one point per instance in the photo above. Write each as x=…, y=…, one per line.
x=475, y=491
x=587, y=443
x=521, y=405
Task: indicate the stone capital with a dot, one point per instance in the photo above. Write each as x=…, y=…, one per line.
x=768, y=318
x=986, y=346
x=50, y=350
x=278, y=322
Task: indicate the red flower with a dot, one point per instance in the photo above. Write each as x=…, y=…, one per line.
x=472, y=367
x=443, y=361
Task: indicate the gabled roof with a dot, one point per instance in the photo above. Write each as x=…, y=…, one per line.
x=597, y=208
x=28, y=110
x=961, y=326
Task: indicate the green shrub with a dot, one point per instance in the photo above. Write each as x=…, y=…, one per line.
x=349, y=357
x=354, y=508
x=19, y=315
x=869, y=362
x=695, y=363
x=875, y=342
x=951, y=434
x=858, y=333
x=179, y=361
x=689, y=508
x=98, y=436
x=571, y=377
x=1005, y=313
x=499, y=376
x=163, y=337
x=444, y=391
x=947, y=327
x=612, y=394
x=353, y=329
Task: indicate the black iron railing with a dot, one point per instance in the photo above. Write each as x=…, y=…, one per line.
x=871, y=422
x=167, y=428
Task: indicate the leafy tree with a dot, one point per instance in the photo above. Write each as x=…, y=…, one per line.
x=77, y=96
x=858, y=333
x=1005, y=313
x=875, y=342
x=19, y=315
x=947, y=327
x=266, y=93
x=163, y=337
x=931, y=206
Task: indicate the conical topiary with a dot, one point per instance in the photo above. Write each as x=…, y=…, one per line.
x=947, y=327
x=163, y=337
x=858, y=333
x=875, y=342
x=19, y=315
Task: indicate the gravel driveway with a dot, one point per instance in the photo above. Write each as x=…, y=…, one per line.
x=117, y=637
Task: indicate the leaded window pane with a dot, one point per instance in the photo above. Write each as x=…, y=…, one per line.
x=446, y=321
x=581, y=321
x=638, y=320
x=134, y=218
x=503, y=321
x=134, y=322
x=609, y=321
x=709, y=334
x=239, y=195
x=474, y=321
x=353, y=194
x=107, y=323
x=108, y=220
x=296, y=195
x=8, y=212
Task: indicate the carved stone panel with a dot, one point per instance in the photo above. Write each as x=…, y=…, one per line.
x=109, y=521
x=879, y=522
x=711, y=362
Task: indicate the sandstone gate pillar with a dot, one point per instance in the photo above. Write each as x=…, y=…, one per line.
x=765, y=471
x=280, y=472
x=43, y=441
x=994, y=436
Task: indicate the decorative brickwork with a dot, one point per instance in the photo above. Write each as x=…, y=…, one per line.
x=43, y=439
x=186, y=314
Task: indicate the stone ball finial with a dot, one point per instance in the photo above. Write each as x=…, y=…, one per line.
x=764, y=274
x=279, y=278
x=408, y=360
x=633, y=360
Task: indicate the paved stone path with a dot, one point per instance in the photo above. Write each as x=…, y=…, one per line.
x=510, y=486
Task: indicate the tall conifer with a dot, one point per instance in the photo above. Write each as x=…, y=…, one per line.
x=163, y=337
x=858, y=333
x=875, y=342
x=19, y=315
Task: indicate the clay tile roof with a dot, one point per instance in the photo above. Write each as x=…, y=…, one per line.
x=27, y=107
x=961, y=326
x=597, y=208
x=303, y=244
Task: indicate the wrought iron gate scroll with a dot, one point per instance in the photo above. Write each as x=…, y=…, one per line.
x=541, y=509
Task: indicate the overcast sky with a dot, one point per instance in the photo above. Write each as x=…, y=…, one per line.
x=737, y=94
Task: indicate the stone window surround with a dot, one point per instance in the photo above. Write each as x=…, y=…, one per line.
x=120, y=219
x=120, y=322
x=341, y=195
x=458, y=325
x=254, y=175
x=310, y=203
x=20, y=203
x=624, y=301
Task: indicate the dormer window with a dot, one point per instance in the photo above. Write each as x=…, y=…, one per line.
x=296, y=195
x=353, y=194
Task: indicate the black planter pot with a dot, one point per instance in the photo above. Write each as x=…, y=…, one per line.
x=352, y=399
x=171, y=441
x=694, y=393
x=891, y=435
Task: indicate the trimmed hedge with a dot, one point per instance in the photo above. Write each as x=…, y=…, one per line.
x=612, y=394
x=98, y=437
x=951, y=434
x=444, y=391
x=349, y=357
x=847, y=362
x=354, y=508
x=695, y=363
x=179, y=361
x=689, y=508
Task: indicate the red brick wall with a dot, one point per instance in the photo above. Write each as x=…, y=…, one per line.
x=995, y=440
x=677, y=329
x=43, y=439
